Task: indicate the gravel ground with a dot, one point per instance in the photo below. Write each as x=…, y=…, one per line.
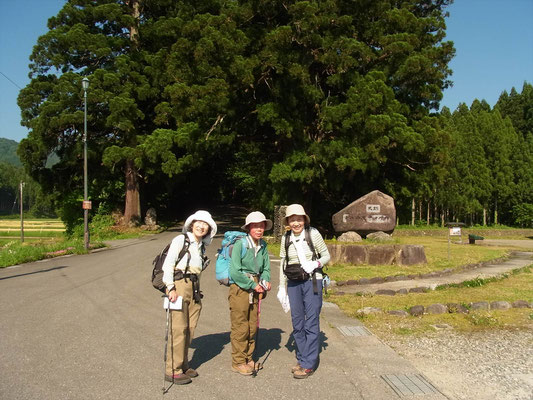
x=494, y=365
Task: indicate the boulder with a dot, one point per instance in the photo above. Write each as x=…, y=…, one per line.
x=480, y=305
x=521, y=304
x=500, y=305
x=350, y=236
x=373, y=212
x=379, y=236
x=151, y=217
x=416, y=310
x=436, y=309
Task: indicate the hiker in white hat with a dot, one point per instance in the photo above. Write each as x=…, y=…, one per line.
x=182, y=268
x=303, y=253
x=250, y=271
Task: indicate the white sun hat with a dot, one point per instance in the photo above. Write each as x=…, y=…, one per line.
x=295, y=209
x=202, y=215
x=257, y=216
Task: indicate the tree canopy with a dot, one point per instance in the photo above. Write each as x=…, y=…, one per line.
x=199, y=102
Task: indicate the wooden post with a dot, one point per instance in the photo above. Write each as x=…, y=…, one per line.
x=21, y=214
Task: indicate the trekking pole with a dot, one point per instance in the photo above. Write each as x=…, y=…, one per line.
x=165, y=390
x=257, y=364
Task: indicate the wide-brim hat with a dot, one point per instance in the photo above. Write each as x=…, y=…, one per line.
x=295, y=209
x=202, y=215
x=255, y=217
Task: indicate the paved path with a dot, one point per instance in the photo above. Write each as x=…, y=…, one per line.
x=92, y=327
x=517, y=260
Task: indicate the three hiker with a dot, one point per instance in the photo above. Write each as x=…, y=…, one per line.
x=250, y=272
x=303, y=253
x=182, y=279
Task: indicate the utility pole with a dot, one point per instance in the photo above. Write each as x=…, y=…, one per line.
x=86, y=202
x=21, y=214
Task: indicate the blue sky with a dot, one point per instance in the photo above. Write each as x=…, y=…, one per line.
x=493, y=41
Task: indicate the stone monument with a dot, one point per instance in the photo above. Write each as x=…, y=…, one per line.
x=374, y=212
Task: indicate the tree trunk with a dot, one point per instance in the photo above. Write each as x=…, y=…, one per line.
x=132, y=211
x=496, y=212
x=427, y=214
x=484, y=216
x=413, y=207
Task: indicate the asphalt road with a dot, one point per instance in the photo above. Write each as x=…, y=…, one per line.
x=92, y=327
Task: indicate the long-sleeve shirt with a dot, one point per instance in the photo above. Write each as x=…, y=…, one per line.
x=255, y=261
x=195, y=262
x=320, y=248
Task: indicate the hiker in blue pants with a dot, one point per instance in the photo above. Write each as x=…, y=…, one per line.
x=303, y=253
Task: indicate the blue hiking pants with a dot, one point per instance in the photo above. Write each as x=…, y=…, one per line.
x=305, y=314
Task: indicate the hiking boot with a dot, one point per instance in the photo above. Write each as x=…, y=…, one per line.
x=191, y=373
x=295, y=368
x=302, y=373
x=243, y=369
x=178, y=379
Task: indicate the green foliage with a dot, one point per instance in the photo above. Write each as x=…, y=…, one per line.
x=8, y=152
x=263, y=103
x=523, y=215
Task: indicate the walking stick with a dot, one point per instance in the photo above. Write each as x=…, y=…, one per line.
x=165, y=389
x=257, y=364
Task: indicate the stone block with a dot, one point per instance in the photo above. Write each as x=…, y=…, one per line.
x=457, y=308
x=421, y=289
x=373, y=212
x=381, y=255
x=436, y=309
x=402, y=291
x=521, y=304
x=386, y=292
x=398, y=313
x=500, y=305
x=279, y=228
x=411, y=254
x=416, y=310
x=480, y=305
x=369, y=310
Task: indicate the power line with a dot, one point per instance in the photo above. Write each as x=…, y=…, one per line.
x=10, y=80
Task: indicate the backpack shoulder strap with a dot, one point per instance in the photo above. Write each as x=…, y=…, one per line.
x=184, y=250
x=310, y=242
x=287, y=244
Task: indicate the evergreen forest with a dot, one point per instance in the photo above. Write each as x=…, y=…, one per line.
x=193, y=104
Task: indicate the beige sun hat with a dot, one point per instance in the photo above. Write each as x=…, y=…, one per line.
x=295, y=209
x=202, y=215
x=257, y=216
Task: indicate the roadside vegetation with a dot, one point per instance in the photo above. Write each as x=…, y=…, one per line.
x=46, y=238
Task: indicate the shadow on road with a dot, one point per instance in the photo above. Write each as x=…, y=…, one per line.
x=35, y=272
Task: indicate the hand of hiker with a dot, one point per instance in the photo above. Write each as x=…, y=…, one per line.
x=259, y=289
x=310, y=266
x=172, y=296
x=266, y=285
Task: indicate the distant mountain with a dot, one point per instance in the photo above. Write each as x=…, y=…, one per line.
x=8, y=152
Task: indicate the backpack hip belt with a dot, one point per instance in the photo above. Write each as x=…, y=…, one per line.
x=196, y=293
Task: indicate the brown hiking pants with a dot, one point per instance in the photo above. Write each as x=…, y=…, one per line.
x=243, y=317
x=183, y=322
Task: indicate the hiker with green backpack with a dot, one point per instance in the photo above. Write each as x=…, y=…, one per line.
x=182, y=267
x=249, y=271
